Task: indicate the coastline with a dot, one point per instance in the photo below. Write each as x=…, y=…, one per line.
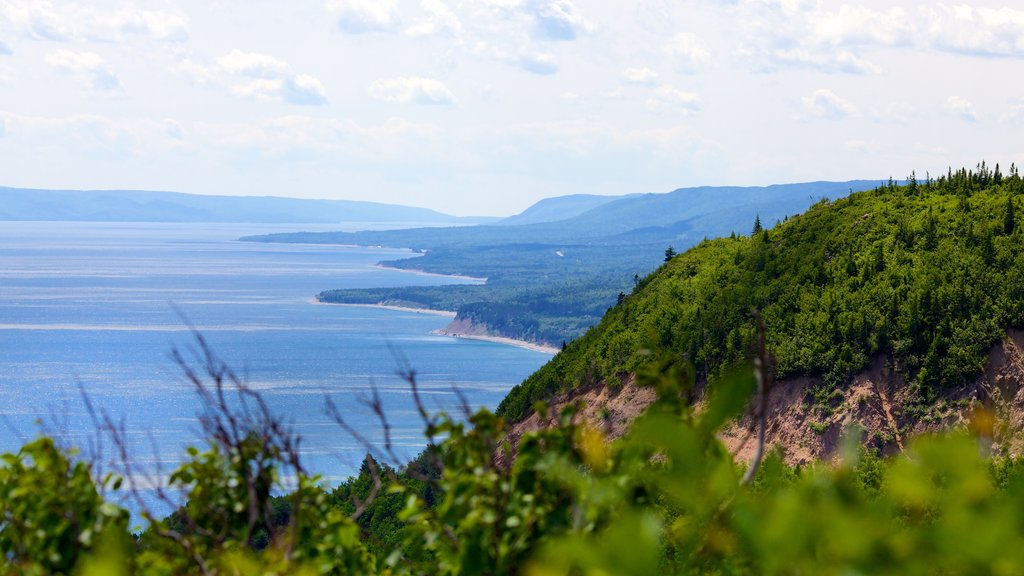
x=425, y=273
x=533, y=346
x=442, y=332
x=500, y=340
x=445, y=313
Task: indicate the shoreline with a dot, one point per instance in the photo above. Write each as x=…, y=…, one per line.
x=500, y=340
x=442, y=332
x=438, y=274
x=432, y=312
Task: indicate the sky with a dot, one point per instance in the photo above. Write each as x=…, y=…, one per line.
x=482, y=107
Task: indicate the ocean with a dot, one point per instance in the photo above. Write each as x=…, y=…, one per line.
x=97, y=308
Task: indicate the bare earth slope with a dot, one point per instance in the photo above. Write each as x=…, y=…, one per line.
x=877, y=399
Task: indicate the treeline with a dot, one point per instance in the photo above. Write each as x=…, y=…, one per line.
x=930, y=274
x=549, y=312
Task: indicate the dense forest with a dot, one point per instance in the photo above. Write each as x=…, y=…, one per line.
x=928, y=274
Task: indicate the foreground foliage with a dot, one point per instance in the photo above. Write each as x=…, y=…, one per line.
x=667, y=498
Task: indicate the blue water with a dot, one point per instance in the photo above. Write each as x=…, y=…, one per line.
x=101, y=306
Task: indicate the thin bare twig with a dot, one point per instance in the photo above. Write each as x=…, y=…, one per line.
x=763, y=374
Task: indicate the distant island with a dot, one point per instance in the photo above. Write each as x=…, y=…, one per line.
x=29, y=204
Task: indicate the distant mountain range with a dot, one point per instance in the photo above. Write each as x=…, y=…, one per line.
x=683, y=217
x=148, y=206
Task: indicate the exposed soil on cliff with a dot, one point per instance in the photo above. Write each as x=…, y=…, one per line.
x=878, y=399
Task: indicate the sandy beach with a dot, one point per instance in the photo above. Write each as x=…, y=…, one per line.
x=501, y=340
x=445, y=313
x=425, y=273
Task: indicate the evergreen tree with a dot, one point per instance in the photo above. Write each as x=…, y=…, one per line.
x=757, y=225
x=670, y=253
x=1009, y=217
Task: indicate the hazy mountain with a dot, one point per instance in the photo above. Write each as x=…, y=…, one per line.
x=558, y=208
x=686, y=215
x=149, y=206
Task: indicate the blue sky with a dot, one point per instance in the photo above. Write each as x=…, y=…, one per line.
x=485, y=106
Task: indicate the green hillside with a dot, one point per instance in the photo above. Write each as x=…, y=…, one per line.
x=930, y=273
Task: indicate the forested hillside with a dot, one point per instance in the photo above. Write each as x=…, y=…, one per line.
x=930, y=274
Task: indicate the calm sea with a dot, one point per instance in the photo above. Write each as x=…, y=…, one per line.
x=101, y=306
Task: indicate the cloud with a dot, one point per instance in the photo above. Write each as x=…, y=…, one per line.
x=77, y=133
x=300, y=90
x=173, y=129
x=1015, y=114
x=89, y=68
x=157, y=24
x=688, y=102
x=4, y=50
x=3, y=127
x=962, y=108
x=780, y=34
x=644, y=76
x=557, y=19
x=540, y=63
x=412, y=89
x=197, y=73
x=362, y=16
x=974, y=31
x=825, y=104
x=273, y=78
x=439, y=20
x=62, y=21
x=252, y=64
x=687, y=52
x=861, y=26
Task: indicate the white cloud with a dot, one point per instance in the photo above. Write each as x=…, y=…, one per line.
x=89, y=131
x=861, y=26
x=131, y=20
x=89, y=68
x=557, y=19
x=362, y=16
x=974, y=31
x=538, y=63
x=412, y=89
x=36, y=19
x=962, y=108
x=439, y=19
x=688, y=102
x=1015, y=114
x=3, y=127
x=644, y=76
x=44, y=20
x=4, y=50
x=688, y=52
x=301, y=90
x=274, y=79
x=252, y=64
x=197, y=73
x=781, y=34
x=825, y=104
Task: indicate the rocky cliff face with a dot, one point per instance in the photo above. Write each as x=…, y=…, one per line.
x=878, y=399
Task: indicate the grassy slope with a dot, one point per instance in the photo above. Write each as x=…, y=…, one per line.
x=929, y=273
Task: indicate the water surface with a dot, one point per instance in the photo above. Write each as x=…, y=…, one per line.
x=100, y=306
